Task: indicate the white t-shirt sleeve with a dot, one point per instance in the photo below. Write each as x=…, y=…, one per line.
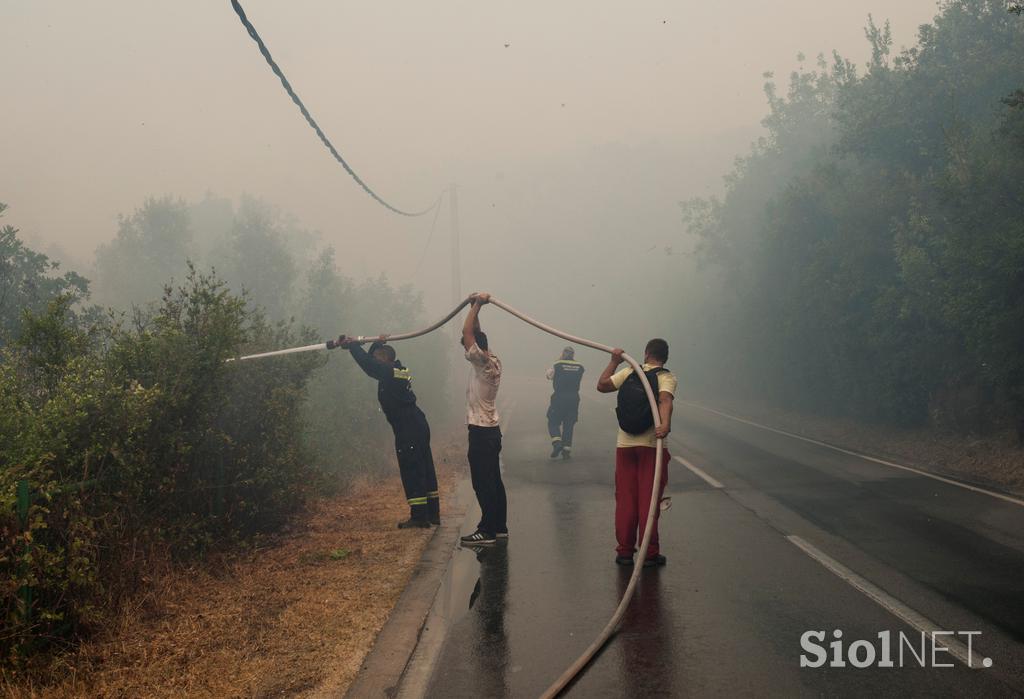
x=477, y=356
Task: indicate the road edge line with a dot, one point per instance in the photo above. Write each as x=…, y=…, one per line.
x=710, y=480
x=892, y=605
x=850, y=452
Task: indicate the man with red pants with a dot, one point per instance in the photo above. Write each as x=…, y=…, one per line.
x=636, y=447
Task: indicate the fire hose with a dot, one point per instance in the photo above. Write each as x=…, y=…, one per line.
x=581, y=662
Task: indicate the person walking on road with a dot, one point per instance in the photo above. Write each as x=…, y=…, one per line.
x=484, y=432
x=636, y=447
x=563, y=411
x=412, y=432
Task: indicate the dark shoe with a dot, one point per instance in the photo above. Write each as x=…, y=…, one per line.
x=501, y=535
x=657, y=560
x=623, y=560
x=556, y=448
x=478, y=538
x=414, y=524
x=566, y=453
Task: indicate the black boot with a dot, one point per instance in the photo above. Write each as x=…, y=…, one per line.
x=434, y=510
x=556, y=448
x=417, y=518
x=414, y=524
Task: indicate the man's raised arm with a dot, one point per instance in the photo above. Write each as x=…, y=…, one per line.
x=372, y=368
x=472, y=323
x=604, y=382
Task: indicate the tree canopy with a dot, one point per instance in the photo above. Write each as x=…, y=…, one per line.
x=868, y=253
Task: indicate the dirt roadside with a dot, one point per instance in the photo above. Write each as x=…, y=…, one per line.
x=280, y=621
x=994, y=462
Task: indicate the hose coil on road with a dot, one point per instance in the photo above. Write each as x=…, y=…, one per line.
x=580, y=663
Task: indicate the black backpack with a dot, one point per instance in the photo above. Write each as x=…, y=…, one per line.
x=633, y=409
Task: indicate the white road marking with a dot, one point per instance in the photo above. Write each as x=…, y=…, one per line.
x=972, y=657
x=883, y=462
x=714, y=483
x=707, y=479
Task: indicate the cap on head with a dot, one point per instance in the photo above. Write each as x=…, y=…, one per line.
x=568, y=353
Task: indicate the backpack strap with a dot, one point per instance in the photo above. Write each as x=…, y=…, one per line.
x=654, y=384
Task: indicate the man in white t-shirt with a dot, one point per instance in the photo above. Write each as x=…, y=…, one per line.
x=484, y=432
x=636, y=448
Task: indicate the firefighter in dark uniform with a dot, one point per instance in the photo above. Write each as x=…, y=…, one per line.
x=565, y=378
x=412, y=433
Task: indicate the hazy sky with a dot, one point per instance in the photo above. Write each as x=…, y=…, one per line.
x=107, y=102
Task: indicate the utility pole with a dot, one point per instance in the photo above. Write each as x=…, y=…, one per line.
x=453, y=219
x=453, y=202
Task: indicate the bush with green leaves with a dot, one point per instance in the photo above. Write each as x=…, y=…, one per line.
x=136, y=432
x=135, y=435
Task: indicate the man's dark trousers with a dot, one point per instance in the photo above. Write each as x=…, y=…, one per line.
x=416, y=464
x=562, y=415
x=485, y=472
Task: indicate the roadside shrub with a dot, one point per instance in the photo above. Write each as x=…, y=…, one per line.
x=128, y=434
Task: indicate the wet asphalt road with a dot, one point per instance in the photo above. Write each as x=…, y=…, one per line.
x=726, y=615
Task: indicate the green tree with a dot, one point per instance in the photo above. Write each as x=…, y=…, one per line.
x=29, y=282
x=869, y=248
x=151, y=246
x=259, y=260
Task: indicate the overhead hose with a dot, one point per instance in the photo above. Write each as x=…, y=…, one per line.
x=581, y=662
x=312, y=122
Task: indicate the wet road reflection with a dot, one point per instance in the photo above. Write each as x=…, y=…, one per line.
x=646, y=641
x=723, y=618
x=487, y=611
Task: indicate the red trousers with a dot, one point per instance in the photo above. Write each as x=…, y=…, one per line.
x=634, y=479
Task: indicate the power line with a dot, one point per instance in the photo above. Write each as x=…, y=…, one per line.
x=312, y=122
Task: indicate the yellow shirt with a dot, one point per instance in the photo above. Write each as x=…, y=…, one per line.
x=667, y=383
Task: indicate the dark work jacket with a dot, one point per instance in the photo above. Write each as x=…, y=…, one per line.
x=567, y=377
x=394, y=386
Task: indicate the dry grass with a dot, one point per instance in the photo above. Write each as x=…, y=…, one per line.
x=994, y=461
x=278, y=621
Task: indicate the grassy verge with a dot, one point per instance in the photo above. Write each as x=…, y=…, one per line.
x=300, y=611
